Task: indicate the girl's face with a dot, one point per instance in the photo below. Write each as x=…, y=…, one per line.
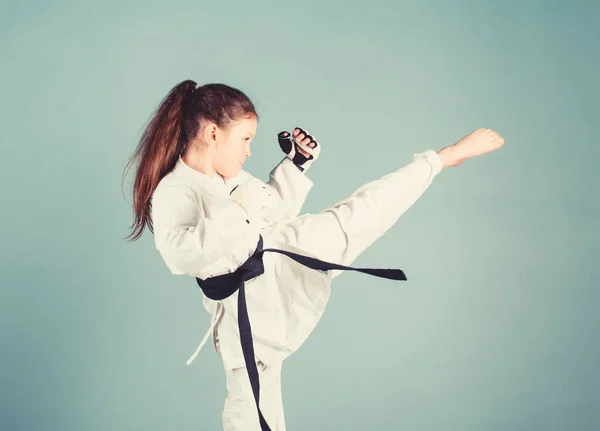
x=232, y=147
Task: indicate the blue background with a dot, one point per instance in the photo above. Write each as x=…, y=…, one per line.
x=498, y=326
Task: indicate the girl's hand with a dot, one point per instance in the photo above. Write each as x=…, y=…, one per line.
x=300, y=147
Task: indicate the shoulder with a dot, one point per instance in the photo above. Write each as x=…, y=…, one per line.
x=172, y=188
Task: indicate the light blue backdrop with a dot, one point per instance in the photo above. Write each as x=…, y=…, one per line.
x=498, y=326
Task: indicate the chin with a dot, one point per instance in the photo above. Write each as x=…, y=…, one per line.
x=231, y=173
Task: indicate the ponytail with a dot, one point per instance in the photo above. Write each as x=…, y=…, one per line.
x=161, y=144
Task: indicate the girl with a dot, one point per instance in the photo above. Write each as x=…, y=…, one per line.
x=265, y=270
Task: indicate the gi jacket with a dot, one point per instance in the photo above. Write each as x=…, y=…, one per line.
x=199, y=231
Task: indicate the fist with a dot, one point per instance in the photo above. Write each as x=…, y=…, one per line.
x=300, y=147
x=253, y=196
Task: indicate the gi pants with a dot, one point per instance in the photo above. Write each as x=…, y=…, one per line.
x=239, y=412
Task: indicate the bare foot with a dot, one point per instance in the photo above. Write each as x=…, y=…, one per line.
x=476, y=143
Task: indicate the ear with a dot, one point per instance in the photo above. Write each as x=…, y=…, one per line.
x=210, y=134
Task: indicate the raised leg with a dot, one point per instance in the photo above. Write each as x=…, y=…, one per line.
x=341, y=232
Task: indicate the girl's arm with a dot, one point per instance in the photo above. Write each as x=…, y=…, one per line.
x=198, y=245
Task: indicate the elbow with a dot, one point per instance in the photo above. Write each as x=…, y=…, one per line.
x=180, y=257
x=179, y=263
x=194, y=263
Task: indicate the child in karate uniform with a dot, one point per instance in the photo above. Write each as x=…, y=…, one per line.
x=211, y=219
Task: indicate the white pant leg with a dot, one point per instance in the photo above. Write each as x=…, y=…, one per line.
x=340, y=233
x=240, y=413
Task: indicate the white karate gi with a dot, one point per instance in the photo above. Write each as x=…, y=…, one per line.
x=201, y=232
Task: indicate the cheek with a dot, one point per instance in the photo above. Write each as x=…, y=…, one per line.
x=227, y=153
x=239, y=151
x=235, y=149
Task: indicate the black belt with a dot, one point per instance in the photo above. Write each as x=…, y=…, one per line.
x=223, y=286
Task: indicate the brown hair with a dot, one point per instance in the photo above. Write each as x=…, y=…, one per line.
x=174, y=124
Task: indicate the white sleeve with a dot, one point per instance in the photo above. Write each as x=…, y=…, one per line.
x=290, y=186
x=286, y=191
x=193, y=244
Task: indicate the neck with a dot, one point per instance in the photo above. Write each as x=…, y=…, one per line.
x=199, y=161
